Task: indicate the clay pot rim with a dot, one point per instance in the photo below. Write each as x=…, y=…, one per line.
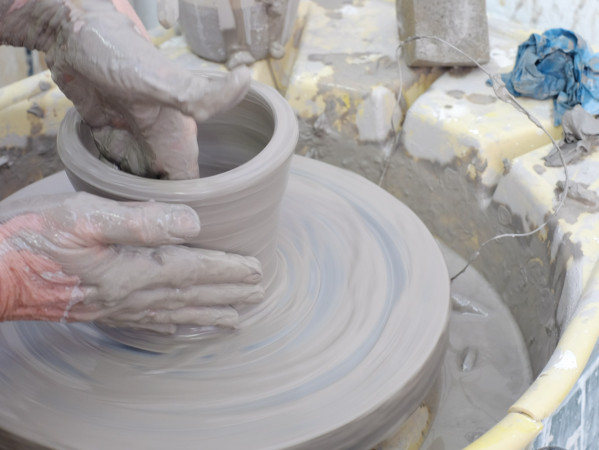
x=88, y=168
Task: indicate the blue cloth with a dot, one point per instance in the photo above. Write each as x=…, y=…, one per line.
x=558, y=65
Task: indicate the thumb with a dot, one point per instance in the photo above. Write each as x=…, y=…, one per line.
x=196, y=95
x=211, y=96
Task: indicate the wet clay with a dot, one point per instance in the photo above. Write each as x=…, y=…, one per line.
x=345, y=346
x=521, y=270
x=486, y=367
x=581, y=137
x=244, y=161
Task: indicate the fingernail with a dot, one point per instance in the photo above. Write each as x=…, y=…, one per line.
x=254, y=278
x=184, y=222
x=254, y=265
x=230, y=320
x=256, y=297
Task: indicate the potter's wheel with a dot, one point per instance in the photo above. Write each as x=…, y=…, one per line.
x=344, y=348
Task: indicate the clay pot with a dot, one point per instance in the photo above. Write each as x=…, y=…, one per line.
x=244, y=162
x=237, y=31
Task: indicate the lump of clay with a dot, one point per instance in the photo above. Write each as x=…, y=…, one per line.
x=581, y=136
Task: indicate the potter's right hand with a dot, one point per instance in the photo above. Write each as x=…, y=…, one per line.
x=140, y=104
x=78, y=257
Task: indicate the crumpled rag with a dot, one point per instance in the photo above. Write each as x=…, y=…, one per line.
x=559, y=65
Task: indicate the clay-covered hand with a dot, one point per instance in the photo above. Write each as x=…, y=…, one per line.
x=140, y=104
x=77, y=257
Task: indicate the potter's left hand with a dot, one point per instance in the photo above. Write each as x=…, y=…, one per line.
x=79, y=257
x=139, y=103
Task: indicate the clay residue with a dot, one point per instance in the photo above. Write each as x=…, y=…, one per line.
x=318, y=140
x=460, y=72
x=504, y=215
x=37, y=111
x=580, y=193
x=456, y=93
x=324, y=137
x=507, y=165
x=334, y=15
x=448, y=200
x=486, y=367
x=481, y=99
x=358, y=68
x=581, y=137
x=44, y=85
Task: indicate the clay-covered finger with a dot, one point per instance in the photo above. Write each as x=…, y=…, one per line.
x=129, y=269
x=180, y=266
x=171, y=147
x=224, y=316
x=160, y=328
x=102, y=221
x=173, y=299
